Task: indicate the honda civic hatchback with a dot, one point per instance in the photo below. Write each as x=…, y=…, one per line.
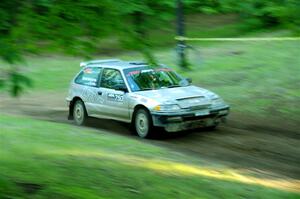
x=143, y=95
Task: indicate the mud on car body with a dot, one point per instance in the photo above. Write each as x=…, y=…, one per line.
x=136, y=93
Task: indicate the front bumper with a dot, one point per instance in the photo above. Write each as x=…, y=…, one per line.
x=173, y=122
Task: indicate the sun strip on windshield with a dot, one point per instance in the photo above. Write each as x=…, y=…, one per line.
x=135, y=72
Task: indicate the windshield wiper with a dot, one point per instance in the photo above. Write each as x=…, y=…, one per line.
x=146, y=89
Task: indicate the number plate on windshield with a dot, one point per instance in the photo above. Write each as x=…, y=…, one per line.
x=202, y=112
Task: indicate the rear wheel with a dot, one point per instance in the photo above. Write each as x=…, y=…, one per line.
x=143, y=123
x=79, y=113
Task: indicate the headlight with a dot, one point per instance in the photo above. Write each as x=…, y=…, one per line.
x=167, y=107
x=217, y=101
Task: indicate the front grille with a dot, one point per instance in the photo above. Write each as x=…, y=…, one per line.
x=192, y=118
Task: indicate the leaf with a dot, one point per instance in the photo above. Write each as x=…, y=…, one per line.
x=18, y=83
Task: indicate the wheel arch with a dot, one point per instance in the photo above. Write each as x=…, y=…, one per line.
x=150, y=132
x=71, y=107
x=136, y=108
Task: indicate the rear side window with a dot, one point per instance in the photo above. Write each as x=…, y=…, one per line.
x=89, y=76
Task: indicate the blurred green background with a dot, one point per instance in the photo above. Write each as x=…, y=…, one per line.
x=42, y=43
x=89, y=28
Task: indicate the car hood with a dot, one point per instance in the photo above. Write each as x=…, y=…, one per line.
x=179, y=94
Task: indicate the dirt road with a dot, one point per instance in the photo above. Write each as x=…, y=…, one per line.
x=255, y=145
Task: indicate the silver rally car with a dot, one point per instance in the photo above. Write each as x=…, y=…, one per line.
x=144, y=96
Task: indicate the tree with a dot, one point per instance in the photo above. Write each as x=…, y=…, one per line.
x=72, y=27
x=76, y=27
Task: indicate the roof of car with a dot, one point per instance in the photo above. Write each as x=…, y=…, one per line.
x=113, y=63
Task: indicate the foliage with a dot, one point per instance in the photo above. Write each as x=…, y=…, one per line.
x=255, y=13
x=270, y=13
x=78, y=27
x=73, y=27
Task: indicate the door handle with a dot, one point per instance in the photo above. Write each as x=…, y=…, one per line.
x=99, y=92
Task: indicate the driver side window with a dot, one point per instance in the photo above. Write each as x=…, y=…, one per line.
x=112, y=79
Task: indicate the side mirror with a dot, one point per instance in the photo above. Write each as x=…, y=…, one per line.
x=189, y=80
x=185, y=82
x=121, y=87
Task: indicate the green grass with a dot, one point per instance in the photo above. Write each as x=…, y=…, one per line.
x=70, y=162
x=258, y=79
x=255, y=78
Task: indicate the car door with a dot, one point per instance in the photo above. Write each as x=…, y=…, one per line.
x=115, y=95
x=87, y=88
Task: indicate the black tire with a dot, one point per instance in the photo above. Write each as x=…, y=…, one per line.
x=79, y=113
x=211, y=128
x=143, y=123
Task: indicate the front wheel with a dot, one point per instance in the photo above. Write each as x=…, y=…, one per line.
x=212, y=127
x=79, y=113
x=143, y=123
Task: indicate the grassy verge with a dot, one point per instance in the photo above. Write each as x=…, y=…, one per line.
x=46, y=160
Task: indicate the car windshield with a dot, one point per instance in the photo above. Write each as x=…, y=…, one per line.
x=145, y=78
